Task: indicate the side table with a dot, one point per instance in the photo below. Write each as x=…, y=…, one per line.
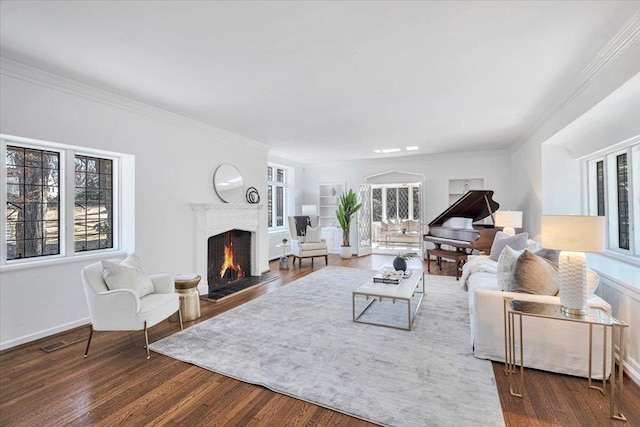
x=187, y=290
x=284, y=259
x=514, y=308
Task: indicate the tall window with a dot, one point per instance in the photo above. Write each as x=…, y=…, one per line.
x=613, y=182
x=376, y=204
x=36, y=220
x=33, y=202
x=93, y=213
x=276, y=193
x=391, y=202
x=622, y=184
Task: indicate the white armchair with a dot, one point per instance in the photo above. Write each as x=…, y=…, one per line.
x=301, y=247
x=124, y=309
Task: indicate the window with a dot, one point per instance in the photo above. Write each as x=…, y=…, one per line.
x=93, y=212
x=613, y=182
x=391, y=202
x=376, y=204
x=37, y=221
x=33, y=203
x=276, y=194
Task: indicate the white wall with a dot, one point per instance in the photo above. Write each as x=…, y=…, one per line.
x=493, y=166
x=175, y=160
x=561, y=184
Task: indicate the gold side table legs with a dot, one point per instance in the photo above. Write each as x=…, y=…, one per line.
x=515, y=308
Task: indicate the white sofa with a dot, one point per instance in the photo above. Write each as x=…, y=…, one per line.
x=549, y=345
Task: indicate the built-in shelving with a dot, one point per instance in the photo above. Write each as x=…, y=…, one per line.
x=328, y=199
x=458, y=187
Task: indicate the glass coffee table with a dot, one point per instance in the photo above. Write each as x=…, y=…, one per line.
x=384, y=292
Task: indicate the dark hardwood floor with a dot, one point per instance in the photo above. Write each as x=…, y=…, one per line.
x=117, y=385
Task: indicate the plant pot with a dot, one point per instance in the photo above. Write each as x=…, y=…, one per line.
x=345, y=252
x=400, y=264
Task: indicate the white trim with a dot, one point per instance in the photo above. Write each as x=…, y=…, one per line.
x=39, y=77
x=47, y=261
x=66, y=178
x=45, y=333
x=624, y=38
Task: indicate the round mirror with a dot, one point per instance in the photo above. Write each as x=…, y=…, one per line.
x=228, y=183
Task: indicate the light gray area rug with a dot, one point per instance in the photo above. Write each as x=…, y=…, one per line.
x=300, y=340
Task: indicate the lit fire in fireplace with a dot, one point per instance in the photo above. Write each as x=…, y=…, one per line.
x=229, y=262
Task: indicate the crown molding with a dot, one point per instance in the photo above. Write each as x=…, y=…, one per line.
x=17, y=70
x=625, y=37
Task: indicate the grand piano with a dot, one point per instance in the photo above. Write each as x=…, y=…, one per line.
x=454, y=226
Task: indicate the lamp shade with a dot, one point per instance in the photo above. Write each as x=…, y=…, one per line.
x=309, y=210
x=573, y=233
x=509, y=219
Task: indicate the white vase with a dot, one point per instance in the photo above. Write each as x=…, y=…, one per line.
x=345, y=252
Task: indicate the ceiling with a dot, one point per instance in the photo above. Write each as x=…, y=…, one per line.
x=327, y=80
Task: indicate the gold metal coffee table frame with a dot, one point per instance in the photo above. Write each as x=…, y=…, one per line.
x=595, y=317
x=382, y=291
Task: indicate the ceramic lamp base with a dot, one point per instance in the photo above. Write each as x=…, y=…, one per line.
x=572, y=273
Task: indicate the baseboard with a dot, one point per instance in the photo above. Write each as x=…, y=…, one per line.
x=632, y=369
x=43, y=334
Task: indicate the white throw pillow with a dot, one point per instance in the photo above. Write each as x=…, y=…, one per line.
x=533, y=245
x=517, y=242
x=313, y=235
x=128, y=274
x=506, y=264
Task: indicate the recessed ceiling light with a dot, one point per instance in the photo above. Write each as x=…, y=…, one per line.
x=412, y=148
x=390, y=150
x=377, y=151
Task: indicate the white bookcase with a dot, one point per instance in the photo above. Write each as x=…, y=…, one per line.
x=328, y=198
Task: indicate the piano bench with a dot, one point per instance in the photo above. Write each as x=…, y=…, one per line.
x=459, y=257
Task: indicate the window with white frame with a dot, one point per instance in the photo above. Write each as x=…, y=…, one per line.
x=276, y=196
x=395, y=202
x=37, y=220
x=613, y=191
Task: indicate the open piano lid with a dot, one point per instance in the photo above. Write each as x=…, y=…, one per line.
x=474, y=204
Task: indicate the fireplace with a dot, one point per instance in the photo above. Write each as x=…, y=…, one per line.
x=211, y=220
x=228, y=258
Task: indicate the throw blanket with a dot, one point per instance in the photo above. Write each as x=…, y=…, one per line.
x=474, y=265
x=301, y=224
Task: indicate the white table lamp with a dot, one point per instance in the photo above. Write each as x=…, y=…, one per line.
x=310, y=210
x=510, y=220
x=573, y=235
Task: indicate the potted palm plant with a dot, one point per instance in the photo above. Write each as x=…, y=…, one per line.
x=347, y=207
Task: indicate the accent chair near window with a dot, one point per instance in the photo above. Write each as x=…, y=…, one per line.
x=122, y=298
x=309, y=244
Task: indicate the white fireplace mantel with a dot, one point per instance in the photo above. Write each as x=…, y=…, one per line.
x=212, y=219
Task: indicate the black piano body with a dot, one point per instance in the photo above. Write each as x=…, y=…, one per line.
x=454, y=226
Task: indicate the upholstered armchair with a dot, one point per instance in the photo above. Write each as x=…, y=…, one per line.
x=124, y=309
x=305, y=239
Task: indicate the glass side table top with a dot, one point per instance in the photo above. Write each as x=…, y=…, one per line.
x=594, y=315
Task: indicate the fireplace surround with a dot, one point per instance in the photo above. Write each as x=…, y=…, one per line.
x=214, y=219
